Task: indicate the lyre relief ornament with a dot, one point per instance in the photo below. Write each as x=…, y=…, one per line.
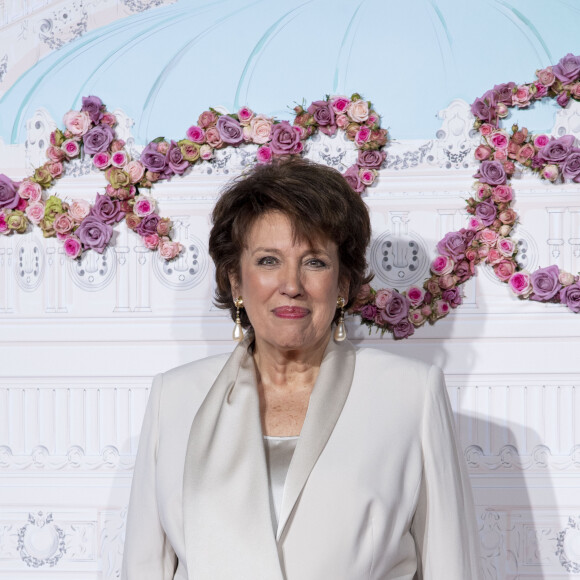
x=340, y=330
x=238, y=333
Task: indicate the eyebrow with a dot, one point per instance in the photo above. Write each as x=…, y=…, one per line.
x=318, y=252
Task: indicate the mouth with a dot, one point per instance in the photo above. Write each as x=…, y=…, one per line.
x=290, y=312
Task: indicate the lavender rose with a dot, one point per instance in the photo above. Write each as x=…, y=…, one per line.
x=486, y=212
x=107, y=210
x=571, y=167
x=323, y=114
x=94, y=234
x=93, y=106
x=9, y=197
x=153, y=160
x=453, y=296
x=403, y=329
x=396, y=308
x=491, y=172
x=373, y=159
x=484, y=108
x=504, y=93
x=285, y=139
x=230, y=130
x=545, y=283
x=368, y=312
x=452, y=245
x=568, y=69
x=98, y=139
x=570, y=296
x=353, y=178
x=148, y=225
x=175, y=161
x=556, y=150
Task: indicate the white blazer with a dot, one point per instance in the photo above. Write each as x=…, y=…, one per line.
x=376, y=489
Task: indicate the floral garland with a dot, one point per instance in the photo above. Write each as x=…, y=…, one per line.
x=487, y=237
x=90, y=131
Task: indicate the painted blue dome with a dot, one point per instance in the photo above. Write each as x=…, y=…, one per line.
x=163, y=67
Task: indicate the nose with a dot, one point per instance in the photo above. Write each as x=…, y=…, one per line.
x=291, y=281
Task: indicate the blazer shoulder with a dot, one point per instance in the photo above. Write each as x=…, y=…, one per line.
x=199, y=373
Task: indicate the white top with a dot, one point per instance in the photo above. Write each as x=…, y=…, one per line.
x=279, y=452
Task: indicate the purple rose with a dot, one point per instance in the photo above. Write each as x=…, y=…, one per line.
x=175, y=159
x=571, y=167
x=107, y=210
x=153, y=160
x=396, y=308
x=563, y=98
x=148, y=225
x=545, y=283
x=285, y=139
x=9, y=197
x=452, y=245
x=568, y=69
x=230, y=130
x=323, y=114
x=504, y=93
x=368, y=312
x=403, y=329
x=556, y=150
x=98, y=139
x=486, y=212
x=353, y=179
x=570, y=296
x=372, y=159
x=484, y=107
x=491, y=172
x=463, y=271
x=94, y=234
x=94, y=107
x=453, y=296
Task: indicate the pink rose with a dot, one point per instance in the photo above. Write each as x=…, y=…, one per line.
x=506, y=247
x=135, y=170
x=482, y=152
x=415, y=295
x=541, y=90
x=508, y=216
x=264, y=154
x=498, y=140
x=119, y=159
x=212, y=136
x=526, y=152
x=486, y=129
x=494, y=256
x=483, y=191
x=447, y=281
x=168, y=250
x=261, y=129
x=164, y=226
x=471, y=255
x=367, y=176
x=245, y=115
x=504, y=269
x=504, y=230
x=382, y=297
x=207, y=119
x=546, y=76
x=487, y=236
x=144, y=206
x=500, y=155
x=71, y=148
x=55, y=153
x=340, y=104
x=102, y=160
x=196, y=134
x=77, y=122
x=521, y=284
x=565, y=278
x=502, y=194
x=432, y=287
x=151, y=241
x=474, y=223
x=522, y=96
x=442, y=265
x=108, y=119
x=30, y=190
x=483, y=251
x=426, y=310
x=55, y=169
x=501, y=110
x=63, y=224
x=441, y=308
x=416, y=317
x=541, y=141
x=362, y=136
x=342, y=121
x=358, y=111
x=550, y=172
x=205, y=152
x=72, y=247
x=35, y=212
x=162, y=147
x=79, y=209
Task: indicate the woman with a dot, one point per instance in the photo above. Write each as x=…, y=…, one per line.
x=297, y=457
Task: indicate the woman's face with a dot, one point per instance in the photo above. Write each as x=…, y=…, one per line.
x=289, y=287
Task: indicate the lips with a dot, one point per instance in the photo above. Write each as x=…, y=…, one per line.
x=291, y=312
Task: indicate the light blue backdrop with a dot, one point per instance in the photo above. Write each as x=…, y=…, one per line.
x=166, y=65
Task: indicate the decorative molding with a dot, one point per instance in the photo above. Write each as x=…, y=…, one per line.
x=112, y=542
x=41, y=542
x=568, y=546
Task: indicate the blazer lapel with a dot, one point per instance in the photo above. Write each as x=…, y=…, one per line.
x=227, y=520
x=326, y=403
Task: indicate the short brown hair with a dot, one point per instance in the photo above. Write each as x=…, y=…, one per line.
x=315, y=198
